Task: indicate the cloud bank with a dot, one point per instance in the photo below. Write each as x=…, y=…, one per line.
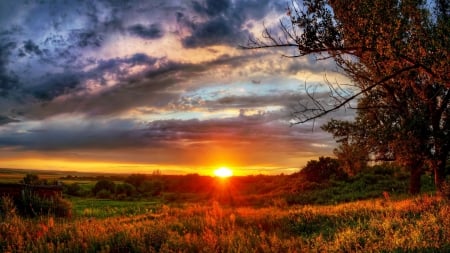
x=152, y=77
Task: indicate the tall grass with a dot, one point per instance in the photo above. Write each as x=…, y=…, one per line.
x=420, y=224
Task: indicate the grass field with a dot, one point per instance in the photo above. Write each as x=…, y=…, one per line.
x=104, y=208
x=241, y=216
x=420, y=224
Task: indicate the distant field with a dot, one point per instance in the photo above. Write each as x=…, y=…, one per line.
x=15, y=175
x=103, y=208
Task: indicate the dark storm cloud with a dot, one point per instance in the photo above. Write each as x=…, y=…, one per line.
x=160, y=74
x=224, y=21
x=56, y=60
x=51, y=135
x=30, y=47
x=55, y=85
x=216, y=31
x=43, y=46
x=257, y=131
x=67, y=82
x=153, y=31
x=284, y=100
x=254, y=131
x=211, y=7
x=5, y=120
x=8, y=79
x=148, y=88
x=86, y=38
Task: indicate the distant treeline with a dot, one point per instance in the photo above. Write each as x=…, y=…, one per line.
x=322, y=181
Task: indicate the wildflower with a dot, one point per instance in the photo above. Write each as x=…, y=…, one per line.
x=51, y=222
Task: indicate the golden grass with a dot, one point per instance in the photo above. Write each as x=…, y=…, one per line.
x=368, y=226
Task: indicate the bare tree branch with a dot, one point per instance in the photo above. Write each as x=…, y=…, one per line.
x=322, y=111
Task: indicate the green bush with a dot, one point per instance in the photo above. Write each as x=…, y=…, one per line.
x=104, y=194
x=73, y=190
x=322, y=170
x=151, y=188
x=104, y=184
x=125, y=189
x=370, y=183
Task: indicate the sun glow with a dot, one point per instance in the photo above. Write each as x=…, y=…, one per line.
x=223, y=172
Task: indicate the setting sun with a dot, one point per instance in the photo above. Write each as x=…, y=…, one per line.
x=223, y=172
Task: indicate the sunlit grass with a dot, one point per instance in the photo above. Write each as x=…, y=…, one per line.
x=417, y=224
x=104, y=208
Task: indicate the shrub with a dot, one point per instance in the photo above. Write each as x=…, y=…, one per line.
x=7, y=207
x=103, y=194
x=322, y=170
x=446, y=189
x=31, y=179
x=136, y=179
x=151, y=188
x=32, y=205
x=62, y=208
x=74, y=190
x=104, y=184
x=125, y=189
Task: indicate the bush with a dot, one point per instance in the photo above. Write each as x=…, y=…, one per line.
x=32, y=205
x=74, y=190
x=446, y=189
x=31, y=179
x=103, y=194
x=136, y=179
x=370, y=183
x=322, y=170
x=104, y=184
x=7, y=207
x=62, y=208
x=125, y=189
x=151, y=188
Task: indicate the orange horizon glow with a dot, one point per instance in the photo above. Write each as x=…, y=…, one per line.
x=61, y=164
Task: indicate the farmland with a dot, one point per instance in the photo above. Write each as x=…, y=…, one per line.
x=263, y=222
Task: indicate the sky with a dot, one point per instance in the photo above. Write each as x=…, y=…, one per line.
x=138, y=86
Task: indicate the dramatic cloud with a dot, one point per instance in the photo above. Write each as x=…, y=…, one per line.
x=154, y=83
x=153, y=31
x=224, y=21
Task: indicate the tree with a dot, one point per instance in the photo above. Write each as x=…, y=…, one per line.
x=136, y=179
x=74, y=189
x=387, y=135
x=351, y=153
x=396, y=54
x=151, y=187
x=105, y=185
x=31, y=179
x=320, y=171
x=125, y=189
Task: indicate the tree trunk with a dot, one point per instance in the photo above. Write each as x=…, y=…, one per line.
x=439, y=176
x=414, y=180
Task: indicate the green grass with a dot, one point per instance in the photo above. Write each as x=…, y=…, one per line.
x=103, y=208
x=367, y=185
x=419, y=224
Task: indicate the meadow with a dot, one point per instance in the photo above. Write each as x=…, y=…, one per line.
x=419, y=224
x=234, y=218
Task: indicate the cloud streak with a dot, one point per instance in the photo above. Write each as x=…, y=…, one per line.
x=125, y=79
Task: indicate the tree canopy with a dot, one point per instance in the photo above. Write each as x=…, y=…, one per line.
x=396, y=53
